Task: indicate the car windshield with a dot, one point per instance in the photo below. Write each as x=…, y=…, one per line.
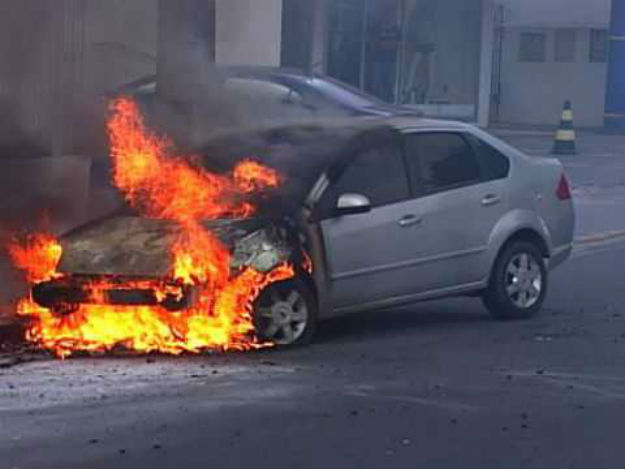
x=299, y=153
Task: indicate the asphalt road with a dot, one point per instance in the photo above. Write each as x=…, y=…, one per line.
x=433, y=385
x=437, y=384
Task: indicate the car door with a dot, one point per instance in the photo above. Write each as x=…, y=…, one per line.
x=365, y=251
x=458, y=205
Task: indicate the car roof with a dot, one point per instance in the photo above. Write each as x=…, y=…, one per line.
x=335, y=129
x=405, y=123
x=355, y=124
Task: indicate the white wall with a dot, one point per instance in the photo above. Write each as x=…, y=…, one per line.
x=556, y=13
x=248, y=32
x=533, y=92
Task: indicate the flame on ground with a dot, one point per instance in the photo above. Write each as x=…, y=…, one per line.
x=160, y=186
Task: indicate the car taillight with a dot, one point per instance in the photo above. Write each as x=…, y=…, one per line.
x=562, y=191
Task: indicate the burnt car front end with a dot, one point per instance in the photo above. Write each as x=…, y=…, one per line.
x=123, y=279
x=126, y=261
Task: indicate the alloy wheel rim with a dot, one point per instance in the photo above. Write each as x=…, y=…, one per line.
x=523, y=280
x=284, y=316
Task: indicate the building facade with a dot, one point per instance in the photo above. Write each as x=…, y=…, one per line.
x=484, y=61
x=614, y=116
x=548, y=52
x=421, y=53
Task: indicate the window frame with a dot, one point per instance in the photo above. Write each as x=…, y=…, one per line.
x=418, y=185
x=591, y=56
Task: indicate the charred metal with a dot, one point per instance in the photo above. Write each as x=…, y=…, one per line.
x=261, y=249
x=64, y=295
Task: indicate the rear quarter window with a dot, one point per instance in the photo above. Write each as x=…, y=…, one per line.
x=493, y=163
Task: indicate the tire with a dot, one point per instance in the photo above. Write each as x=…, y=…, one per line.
x=284, y=306
x=518, y=282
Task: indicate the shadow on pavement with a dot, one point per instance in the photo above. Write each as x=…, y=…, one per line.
x=415, y=317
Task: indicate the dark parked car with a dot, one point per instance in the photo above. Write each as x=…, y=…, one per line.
x=275, y=94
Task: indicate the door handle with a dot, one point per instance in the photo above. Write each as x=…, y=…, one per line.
x=408, y=220
x=490, y=199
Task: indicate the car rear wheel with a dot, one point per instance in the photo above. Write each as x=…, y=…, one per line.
x=518, y=282
x=285, y=313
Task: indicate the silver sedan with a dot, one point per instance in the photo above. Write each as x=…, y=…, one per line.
x=428, y=210
x=372, y=212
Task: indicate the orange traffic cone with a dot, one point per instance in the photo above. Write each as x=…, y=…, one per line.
x=564, y=143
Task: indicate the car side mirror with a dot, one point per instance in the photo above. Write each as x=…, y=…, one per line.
x=350, y=204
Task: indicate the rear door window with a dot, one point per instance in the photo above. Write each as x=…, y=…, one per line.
x=440, y=161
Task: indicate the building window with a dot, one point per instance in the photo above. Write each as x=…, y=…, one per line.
x=598, y=45
x=532, y=47
x=564, y=45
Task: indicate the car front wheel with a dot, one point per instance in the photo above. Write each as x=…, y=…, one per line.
x=285, y=313
x=518, y=282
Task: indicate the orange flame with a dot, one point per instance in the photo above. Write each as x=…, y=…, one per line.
x=160, y=185
x=38, y=256
x=164, y=187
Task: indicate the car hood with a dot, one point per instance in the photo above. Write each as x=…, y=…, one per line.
x=135, y=246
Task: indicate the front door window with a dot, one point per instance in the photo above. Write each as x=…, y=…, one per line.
x=378, y=173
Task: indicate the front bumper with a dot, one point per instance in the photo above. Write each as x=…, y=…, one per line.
x=65, y=294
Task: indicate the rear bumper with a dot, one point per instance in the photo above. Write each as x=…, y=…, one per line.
x=559, y=255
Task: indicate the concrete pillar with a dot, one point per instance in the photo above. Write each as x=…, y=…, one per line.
x=69, y=69
x=614, y=117
x=41, y=64
x=248, y=32
x=185, y=58
x=486, y=62
x=304, y=34
x=185, y=46
x=319, y=35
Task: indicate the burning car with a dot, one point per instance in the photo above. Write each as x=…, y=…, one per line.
x=292, y=224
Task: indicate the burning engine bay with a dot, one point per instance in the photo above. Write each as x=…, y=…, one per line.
x=130, y=266
x=182, y=276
